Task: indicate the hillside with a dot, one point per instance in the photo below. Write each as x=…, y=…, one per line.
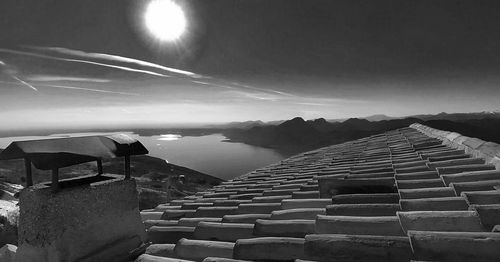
x=297, y=135
x=151, y=174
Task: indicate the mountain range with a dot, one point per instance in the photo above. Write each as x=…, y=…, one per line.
x=297, y=135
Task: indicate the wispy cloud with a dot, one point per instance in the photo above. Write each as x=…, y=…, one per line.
x=20, y=82
x=56, y=78
x=124, y=68
x=24, y=83
x=130, y=64
x=114, y=58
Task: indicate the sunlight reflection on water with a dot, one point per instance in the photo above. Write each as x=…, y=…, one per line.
x=169, y=137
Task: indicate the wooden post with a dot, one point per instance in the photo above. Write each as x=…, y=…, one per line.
x=55, y=180
x=29, y=176
x=99, y=167
x=127, y=167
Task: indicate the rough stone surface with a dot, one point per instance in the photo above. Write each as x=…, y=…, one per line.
x=78, y=221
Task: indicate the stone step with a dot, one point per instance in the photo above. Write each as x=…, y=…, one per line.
x=288, y=186
x=305, y=194
x=169, y=235
x=471, y=177
x=431, y=192
x=161, y=250
x=283, y=228
x=464, y=168
x=362, y=210
x=200, y=249
x=465, y=221
x=415, y=169
x=359, y=225
x=270, y=249
x=417, y=175
x=450, y=152
x=334, y=247
x=489, y=214
x=179, y=202
x=270, y=199
x=248, y=196
x=455, y=246
x=310, y=187
x=220, y=259
x=151, y=258
x=305, y=203
x=194, y=221
x=419, y=183
x=416, y=163
x=280, y=192
x=482, y=197
x=162, y=223
x=215, y=211
x=382, y=198
x=487, y=185
x=434, y=204
x=177, y=214
x=195, y=205
x=297, y=213
x=456, y=162
x=258, y=208
x=223, y=231
x=443, y=158
x=245, y=218
x=149, y=215
x=231, y=202
x=371, y=175
x=330, y=187
x=163, y=207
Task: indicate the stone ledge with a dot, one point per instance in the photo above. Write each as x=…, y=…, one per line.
x=490, y=151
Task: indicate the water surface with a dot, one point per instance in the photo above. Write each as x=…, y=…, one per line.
x=208, y=153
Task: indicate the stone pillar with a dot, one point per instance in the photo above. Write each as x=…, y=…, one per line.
x=83, y=221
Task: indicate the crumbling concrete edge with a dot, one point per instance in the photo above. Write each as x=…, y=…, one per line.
x=489, y=151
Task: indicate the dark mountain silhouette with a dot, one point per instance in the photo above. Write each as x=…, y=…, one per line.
x=297, y=135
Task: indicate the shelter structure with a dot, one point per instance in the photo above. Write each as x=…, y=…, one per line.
x=84, y=218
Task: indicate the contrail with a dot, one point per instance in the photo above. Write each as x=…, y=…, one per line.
x=10, y=51
x=223, y=83
x=91, y=90
x=24, y=83
x=115, y=58
x=75, y=88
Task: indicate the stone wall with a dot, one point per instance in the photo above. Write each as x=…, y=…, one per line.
x=488, y=150
x=90, y=222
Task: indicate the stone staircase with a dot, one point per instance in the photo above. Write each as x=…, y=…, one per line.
x=399, y=196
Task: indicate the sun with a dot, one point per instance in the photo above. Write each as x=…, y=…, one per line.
x=165, y=20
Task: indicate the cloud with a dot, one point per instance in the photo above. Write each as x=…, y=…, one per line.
x=132, y=63
x=56, y=78
x=24, y=83
x=10, y=51
x=115, y=58
x=21, y=82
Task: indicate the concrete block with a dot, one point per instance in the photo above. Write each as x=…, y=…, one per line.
x=455, y=246
x=283, y=228
x=333, y=247
x=297, y=213
x=359, y=225
x=463, y=221
x=270, y=248
x=223, y=231
x=198, y=250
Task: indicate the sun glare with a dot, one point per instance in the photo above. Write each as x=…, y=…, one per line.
x=165, y=20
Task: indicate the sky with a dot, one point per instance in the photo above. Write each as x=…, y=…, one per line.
x=87, y=63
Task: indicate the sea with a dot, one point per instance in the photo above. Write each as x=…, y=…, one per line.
x=212, y=154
